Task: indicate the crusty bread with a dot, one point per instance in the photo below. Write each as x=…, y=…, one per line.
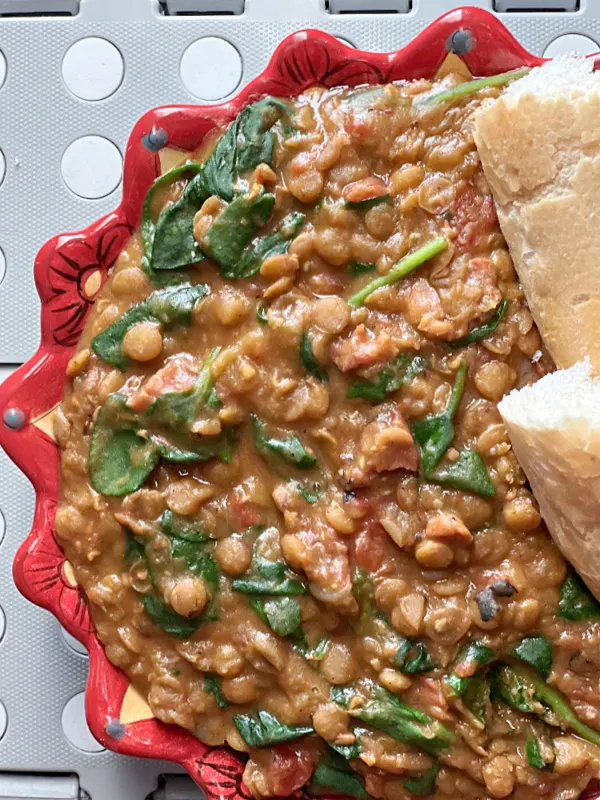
x=539, y=144
x=554, y=427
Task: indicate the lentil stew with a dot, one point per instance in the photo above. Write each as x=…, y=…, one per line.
x=285, y=485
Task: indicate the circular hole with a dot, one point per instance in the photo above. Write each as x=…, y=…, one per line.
x=3, y=720
x=2, y=527
x=73, y=643
x=571, y=43
x=91, y=167
x=2, y=265
x=211, y=68
x=2, y=167
x=3, y=69
x=75, y=727
x=93, y=68
x=2, y=624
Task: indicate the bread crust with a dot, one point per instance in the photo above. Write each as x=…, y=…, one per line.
x=559, y=450
x=541, y=157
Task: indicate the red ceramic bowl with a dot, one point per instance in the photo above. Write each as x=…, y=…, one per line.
x=69, y=271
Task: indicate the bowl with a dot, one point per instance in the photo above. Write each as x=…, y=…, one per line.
x=70, y=270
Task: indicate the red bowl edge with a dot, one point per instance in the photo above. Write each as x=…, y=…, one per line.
x=62, y=269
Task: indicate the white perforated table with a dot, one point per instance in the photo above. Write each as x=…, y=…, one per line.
x=74, y=77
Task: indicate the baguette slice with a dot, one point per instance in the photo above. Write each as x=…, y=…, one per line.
x=554, y=426
x=539, y=144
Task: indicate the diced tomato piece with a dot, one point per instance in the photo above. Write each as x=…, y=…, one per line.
x=244, y=512
x=176, y=376
x=475, y=216
x=370, y=546
x=320, y=553
x=428, y=693
x=363, y=348
x=386, y=444
x=289, y=769
x=375, y=784
x=364, y=189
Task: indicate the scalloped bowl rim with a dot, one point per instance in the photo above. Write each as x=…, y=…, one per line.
x=40, y=569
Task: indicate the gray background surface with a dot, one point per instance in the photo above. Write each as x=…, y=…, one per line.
x=39, y=118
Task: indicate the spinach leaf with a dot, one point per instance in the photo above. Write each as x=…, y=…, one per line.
x=472, y=86
x=535, y=753
x=424, y=784
x=124, y=449
x=576, y=601
x=148, y=225
x=192, y=447
x=234, y=227
x=364, y=592
x=534, y=756
x=467, y=473
x=219, y=168
x=256, y=142
x=400, y=371
x=212, y=685
x=134, y=549
x=174, y=245
x=214, y=401
x=258, y=604
x=289, y=449
x=385, y=712
x=363, y=99
x=405, y=369
x=350, y=751
x=476, y=697
x=168, y=620
x=188, y=542
x=171, y=242
x=173, y=304
x=267, y=730
x=197, y=561
x=178, y=410
x=271, y=244
x=270, y=578
x=472, y=656
x=484, y=330
x=507, y=687
x=308, y=360
x=179, y=527
x=374, y=391
x=435, y=434
x=309, y=490
x=318, y=651
x=537, y=652
x=119, y=459
x=403, y=268
x=136, y=552
x=245, y=144
x=413, y=657
x=524, y=689
x=261, y=314
x=333, y=774
x=342, y=695
x=359, y=268
x=282, y=614
x=365, y=205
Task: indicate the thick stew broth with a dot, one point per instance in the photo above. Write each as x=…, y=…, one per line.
x=289, y=495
